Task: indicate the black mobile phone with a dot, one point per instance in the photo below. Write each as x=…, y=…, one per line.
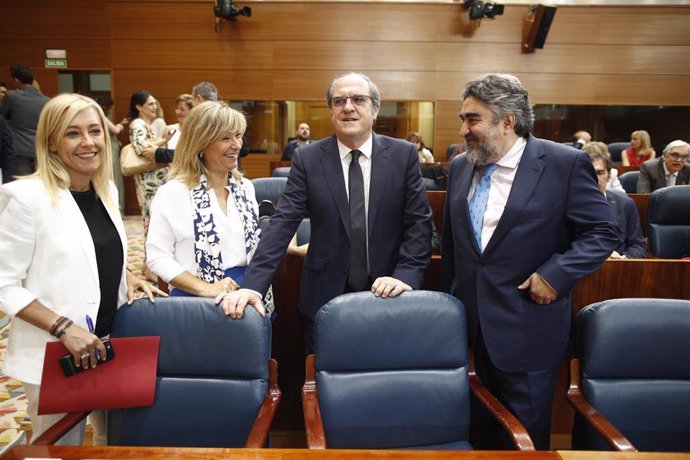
x=67, y=362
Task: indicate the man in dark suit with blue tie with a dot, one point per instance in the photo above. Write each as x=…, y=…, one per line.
x=524, y=220
x=370, y=218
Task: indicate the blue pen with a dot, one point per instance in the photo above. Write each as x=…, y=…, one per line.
x=89, y=323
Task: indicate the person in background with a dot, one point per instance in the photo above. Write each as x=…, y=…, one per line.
x=524, y=220
x=631, y=244
x=142, y=112
x=204, y=91
x=425, y=156
x=370, y=216
x=158, y=125
x=205, y=219
x=671, y=169
x=600, y=148
x=580, y=138
x=640, y=149
x=302, y=138
x=64, y=250
x=106, y=104
x=6, y=152
x=201, y=92
x=21, y=109
x=183, y=104
x=3, y=91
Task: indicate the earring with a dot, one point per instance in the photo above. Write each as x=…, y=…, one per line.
x=201, y=154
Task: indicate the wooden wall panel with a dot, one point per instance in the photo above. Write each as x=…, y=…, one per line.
x=619, y=55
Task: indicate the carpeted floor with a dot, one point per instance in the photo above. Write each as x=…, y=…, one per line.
x=13, y=420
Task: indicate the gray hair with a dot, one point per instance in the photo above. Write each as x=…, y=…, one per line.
x=504, y=95
x=374, y=92
x=207, y=91
x=676, y=144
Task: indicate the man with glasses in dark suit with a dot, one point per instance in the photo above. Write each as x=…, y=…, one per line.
x=370, y=217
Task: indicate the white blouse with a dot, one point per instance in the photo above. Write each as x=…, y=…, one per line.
x=170, y=241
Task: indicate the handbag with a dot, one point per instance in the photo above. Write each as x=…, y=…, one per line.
x=132, y=164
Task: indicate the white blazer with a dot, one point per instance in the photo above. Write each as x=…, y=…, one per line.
x=46, y=253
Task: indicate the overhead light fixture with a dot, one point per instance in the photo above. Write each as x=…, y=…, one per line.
x=479, y=9
x=226, y=9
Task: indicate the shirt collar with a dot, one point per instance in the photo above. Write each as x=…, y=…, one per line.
x=512, y=158
x=365, y=148
x=666, y=171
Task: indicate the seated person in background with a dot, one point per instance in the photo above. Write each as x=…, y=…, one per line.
x=454, y=150
x=205, y=219
x=632, y=245
x=602, y=149
x=640, y=149
x=425, y=156
x=671, y=169
x=580, y=138
x=302, y=138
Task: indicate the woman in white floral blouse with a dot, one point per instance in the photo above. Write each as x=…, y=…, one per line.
x=205, y=219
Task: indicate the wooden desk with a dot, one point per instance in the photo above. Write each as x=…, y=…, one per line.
x=73, y=452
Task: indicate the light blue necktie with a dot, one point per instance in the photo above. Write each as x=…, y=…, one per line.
x=479, y=200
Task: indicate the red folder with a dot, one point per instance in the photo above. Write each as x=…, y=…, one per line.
x=129, y=380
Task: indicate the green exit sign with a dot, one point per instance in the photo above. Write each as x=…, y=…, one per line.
x=55, y=63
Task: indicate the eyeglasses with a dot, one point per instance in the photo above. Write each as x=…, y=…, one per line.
x=679, y=156
x=360, y=100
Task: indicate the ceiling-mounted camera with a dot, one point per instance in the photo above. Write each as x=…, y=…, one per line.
x=227, y=9
x=478, y=9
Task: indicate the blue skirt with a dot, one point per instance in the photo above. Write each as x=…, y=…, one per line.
x=236, y=273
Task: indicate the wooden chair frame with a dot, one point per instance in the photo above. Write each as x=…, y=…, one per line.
x=256, y=439
x=610, y=433
x=316, y=437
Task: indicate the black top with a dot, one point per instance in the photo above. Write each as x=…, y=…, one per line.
x=109, y=256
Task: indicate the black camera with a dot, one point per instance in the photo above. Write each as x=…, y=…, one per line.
x=478, y=9
x=228, y=10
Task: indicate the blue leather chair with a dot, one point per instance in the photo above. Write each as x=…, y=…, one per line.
x=269, y=188
x=629, y=181
x=616, y=149
x=304, y=231
x=393, y=373
x=216, y=385
x=668, y=220
x=630, y=380
x=282, y=171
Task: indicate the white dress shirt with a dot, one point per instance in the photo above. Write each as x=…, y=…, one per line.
x=501, y=183
x=170, y=242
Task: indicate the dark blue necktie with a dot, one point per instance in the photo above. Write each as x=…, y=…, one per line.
x=358, y=277
x=479, y=201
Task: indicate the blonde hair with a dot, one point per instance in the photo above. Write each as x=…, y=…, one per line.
x=55, y=118
x=645, y=142
x=206, y=123
x=596, y=147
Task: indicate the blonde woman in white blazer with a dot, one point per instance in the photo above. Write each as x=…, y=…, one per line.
x=63, y=248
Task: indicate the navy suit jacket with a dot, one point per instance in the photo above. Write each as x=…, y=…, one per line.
x=632, y=242
x=398, y=220
x=556, y=222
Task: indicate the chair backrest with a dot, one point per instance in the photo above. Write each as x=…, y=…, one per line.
x=269, y=188
x=636, y=372
x=629, y=181
x=393, y=372
x=304, y=231
x=212, y=374
x=282, y=171
x=668, y=220
x=616, y=149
